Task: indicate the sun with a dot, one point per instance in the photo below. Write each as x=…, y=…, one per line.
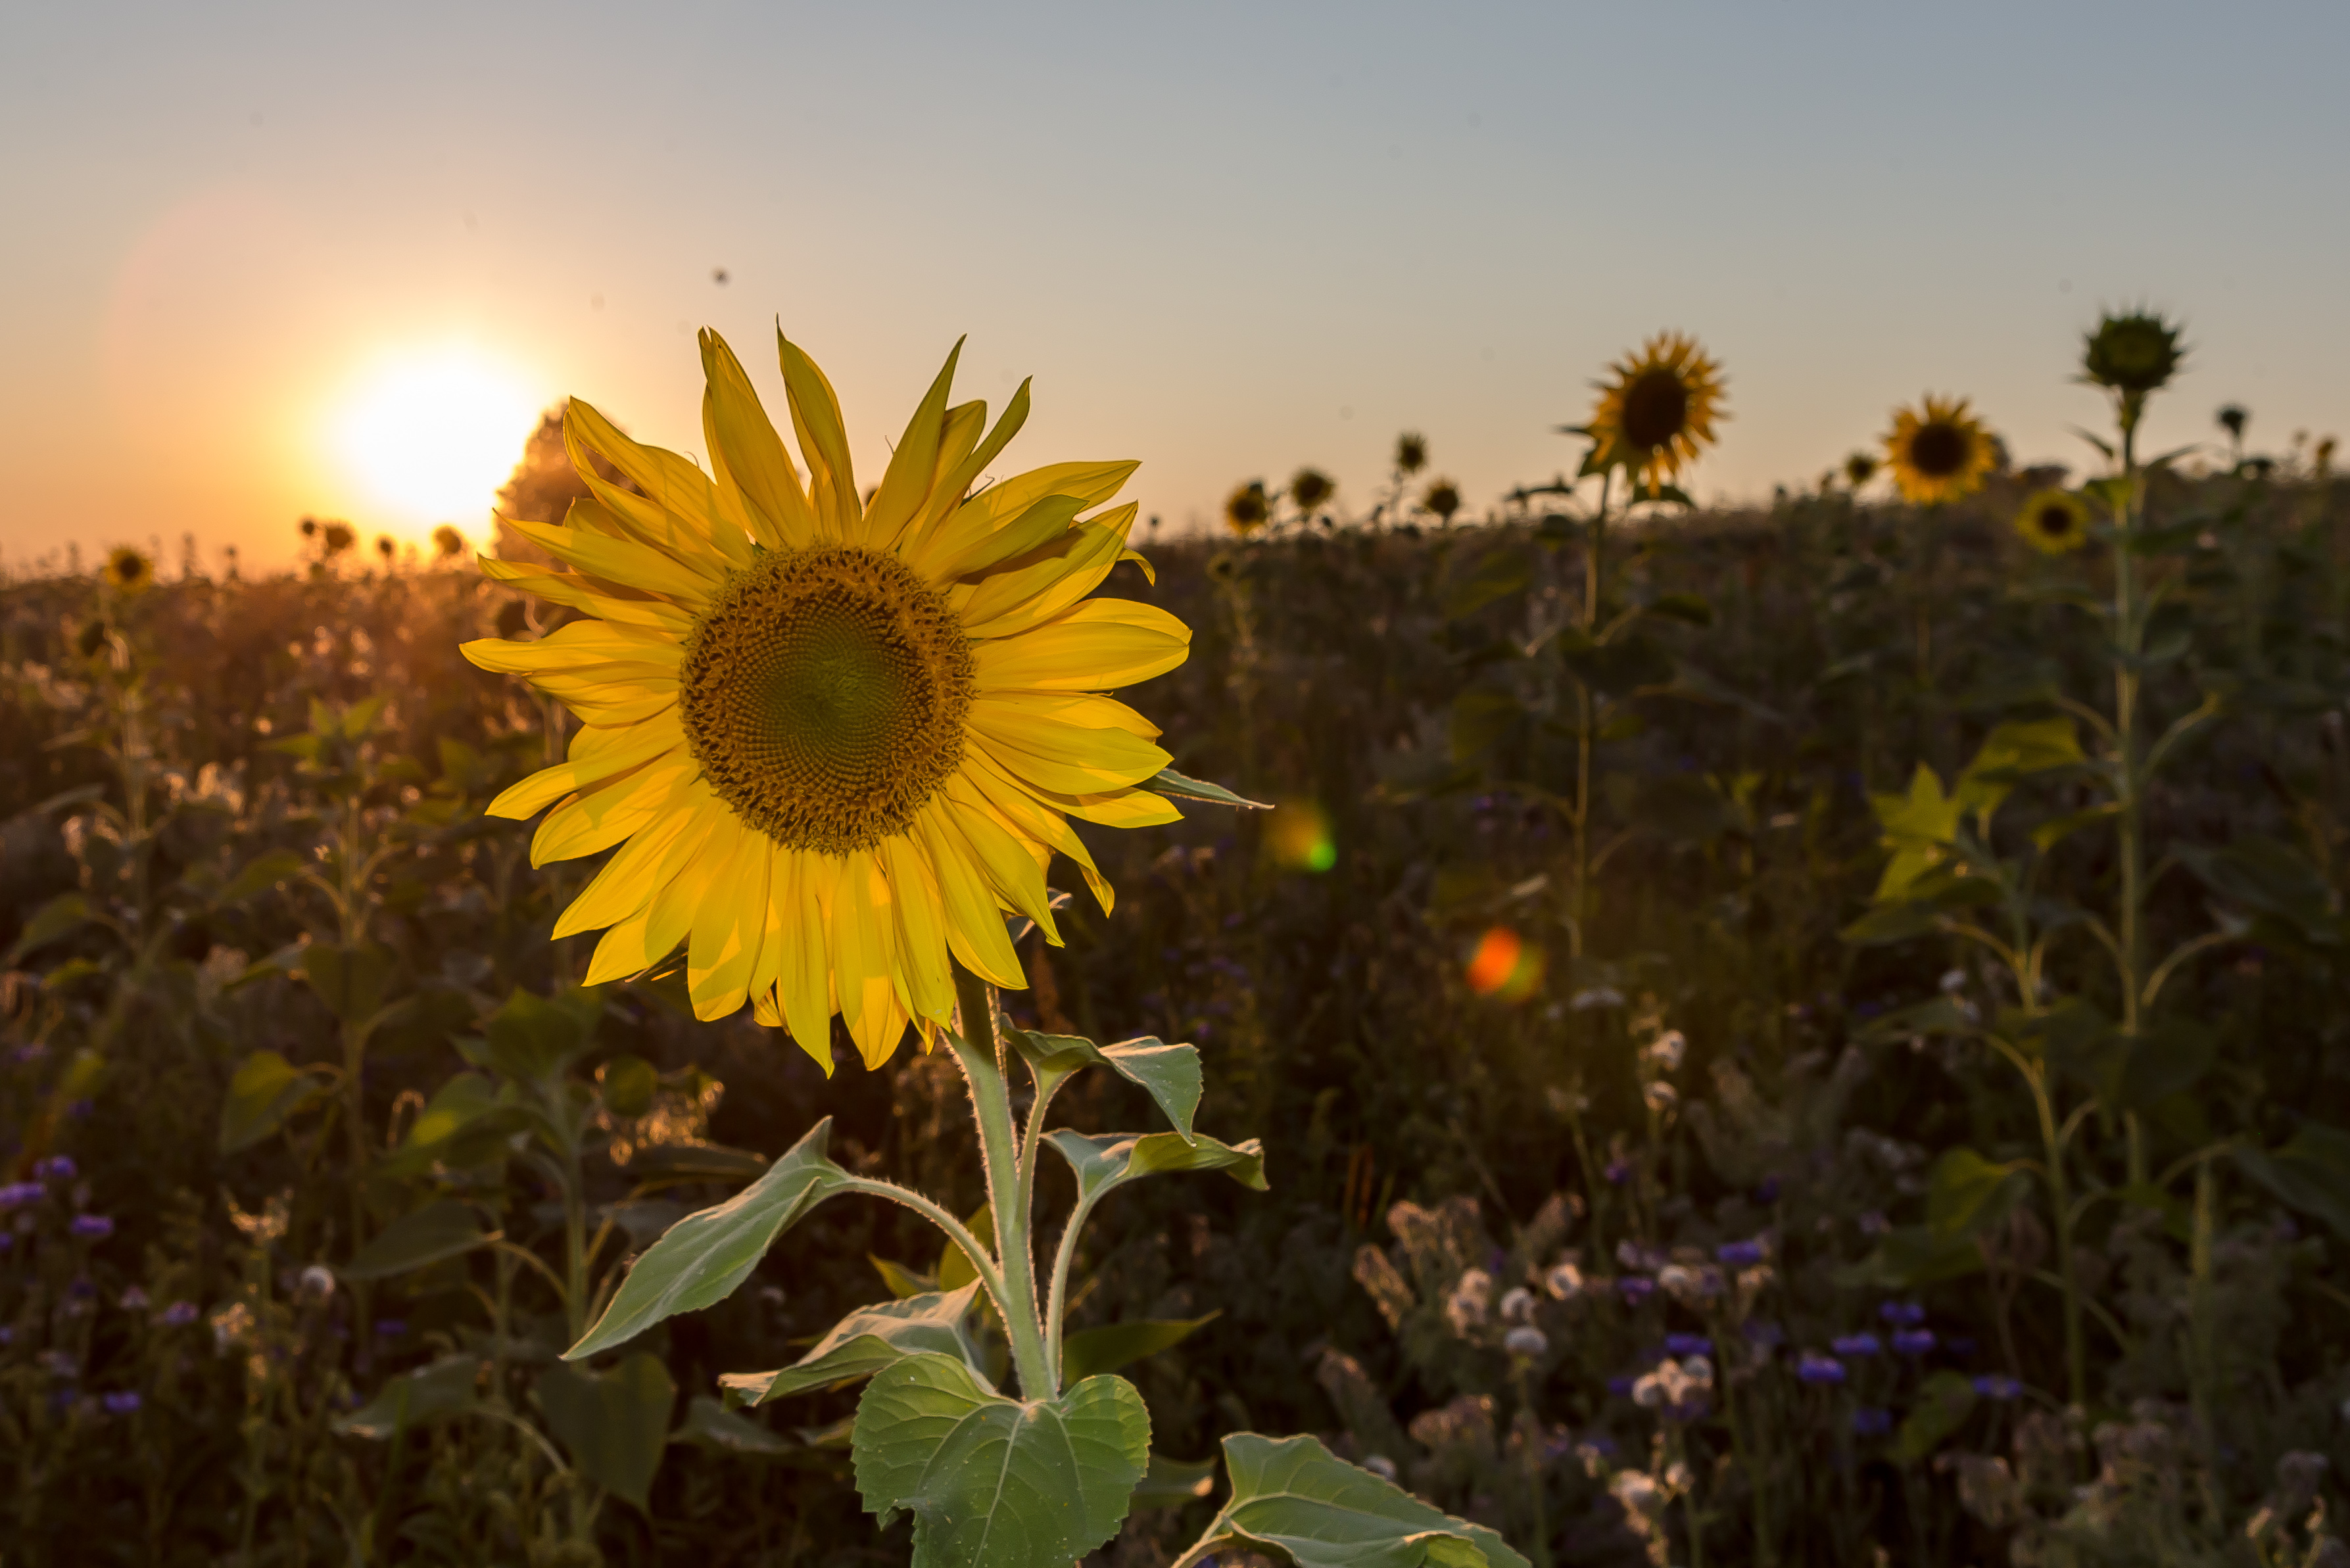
x=432, y=433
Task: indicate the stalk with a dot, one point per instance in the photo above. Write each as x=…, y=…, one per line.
x=2130, y=634
x=979, y=1050
x=1585, y=712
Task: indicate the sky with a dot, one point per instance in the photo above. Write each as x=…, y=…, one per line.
x=261, y=260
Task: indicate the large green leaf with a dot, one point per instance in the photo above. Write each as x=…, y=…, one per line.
x=1168, y=1074
x=1965, y=1192
x=705, y=1255
x=260, y=874
x=443, y=1228
x=533, y=1038
x=1104, y=1161
x=1090, y=1352
x=1293, y=1495
x=447, y=1388
x=1497, y=574
x=350, y=980
x=994, y=1482
x=464, y=1123
x=2311, y=1172
x=867, y=1340
x=713, y=1429
x=2271, y=878
x=615, y=1424
x=265, y=1093
x=62, y=915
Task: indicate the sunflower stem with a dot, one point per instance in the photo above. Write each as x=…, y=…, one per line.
x=977, y=1048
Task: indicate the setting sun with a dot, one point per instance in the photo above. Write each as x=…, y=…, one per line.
x=430, y=435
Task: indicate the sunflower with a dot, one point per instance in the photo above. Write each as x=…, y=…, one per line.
x=832, y=741
x=1658, y=411
x=128, y=572
x=2053, y=522
x=1938, y=452
x=1246, y=508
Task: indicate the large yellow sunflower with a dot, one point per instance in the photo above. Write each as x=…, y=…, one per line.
x=1938, y=452
x=1657, y=412
x=833, y=740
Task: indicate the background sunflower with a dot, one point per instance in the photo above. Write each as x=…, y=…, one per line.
x=1938, y=452
x=2053, y=522
x=1656, y=413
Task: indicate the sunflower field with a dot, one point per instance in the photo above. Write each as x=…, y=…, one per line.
x=1817, y=1034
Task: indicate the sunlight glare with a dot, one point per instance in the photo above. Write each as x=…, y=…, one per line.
x=432, y=434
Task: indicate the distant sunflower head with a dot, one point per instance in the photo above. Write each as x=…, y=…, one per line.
x=1860, y=468
x=338, y=538
x=1410, y=452
x=1656, y=409
x=1246, y=508
x=447, y=543
x=2233, y=418
x=1443, y=498
x=127, y=571
x=2053, y=522
x=831, y=735
x=1938, y=452
x=1310, y=488
x=386, y=547
x=2133, y=353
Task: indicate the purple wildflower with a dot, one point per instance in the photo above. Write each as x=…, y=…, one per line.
x=1913, y=1341
x=1621, y=1388
x=1635, y=1288
x=1739, y=1254
x=1856, y=1344
x=1763, y=1335
x=1688, y=1344
x=1869, y=1422
x=1902, y=1315
x=123, y=1404
x=1618, y=1172
x=57, y=1168
x=92, y=1227
x=1959, y=1345
x=21, y=1192
x=1998, y=1386
x=1814, y=1367
x=180, y=1315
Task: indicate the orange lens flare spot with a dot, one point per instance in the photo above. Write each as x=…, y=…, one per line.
x=1299, y=837
x=1503, y=965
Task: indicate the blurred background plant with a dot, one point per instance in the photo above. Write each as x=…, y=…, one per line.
x=1670, y=1175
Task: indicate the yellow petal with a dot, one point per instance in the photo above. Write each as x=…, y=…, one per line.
x=804, y=984
x=1090, y=647
x=967, y=545
x=921, y=943
x=877, y=1033
x=682, y=896
x=747, y=452
x=635, y=745
x=975, y=923
x=573, y=643
x=1012, y=868
x=601, y=817
x=727, y=931
x=1039, y=585
x=583, y=594
x=625, y=561
x=628, y=880
x=906, y=482
x=1033, y=821
x=864, y=939
x=1059, y=755
x=824, y=442
x=777, y=918
x=612, y=706
x=948, y=490
x=678, y=508
x=1114, y=808
x=621, y=953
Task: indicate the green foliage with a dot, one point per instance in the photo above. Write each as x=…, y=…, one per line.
x=1294, y=1495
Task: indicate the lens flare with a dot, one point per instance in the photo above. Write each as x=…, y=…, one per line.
x=1299, y=835
x=1505, y=966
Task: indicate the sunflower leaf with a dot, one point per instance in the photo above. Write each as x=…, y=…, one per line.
x=866, y=1341
x=703, y=1257
x=996, y=1481
x=1168, y=1074
x=1295, y=1496
x=1106, y=1160
x=1178, y=787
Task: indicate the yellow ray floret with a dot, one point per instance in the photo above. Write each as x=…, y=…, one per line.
x=1938, y=452
x=831, y=742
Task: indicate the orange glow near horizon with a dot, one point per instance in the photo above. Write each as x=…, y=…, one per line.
x=429, y=435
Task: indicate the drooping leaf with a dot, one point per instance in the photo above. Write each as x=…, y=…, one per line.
x=1089, y=1352
x=1291, y=1495
x=1104, y=1161
x=713, y=1428
x=2170, y=1055
x=867, y=1340
x=61, y=916
x=1496, y=574
x=2268, y=876
x=902, y=1282
x=615, y=1424
x=1965, y=1192
x=991, y=1480
x=259, y=875
x=2310, y=1171
x=670, y=1164
x=532, y=1038
x=1167, y=1074
x=1171, y=1483
x=350, y=980
x=444, y=1228
x=446, y=1387
x=1180, y=786
x=704, y=1256
x=1911, y=1256
x=463, y=1125
x=266, y=1092
x=1944, y=1402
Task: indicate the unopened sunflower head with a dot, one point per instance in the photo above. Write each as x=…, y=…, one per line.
x=128, y=572
x=2132, y=353
x=1443, y=498
x=1860, y=468
x=447, y=543
x=1656, y=411
x=1247, y=508
x=2053, y=522
x=1410, y=452
x=832, y=735
x=1938, y=452
x=1310, y=487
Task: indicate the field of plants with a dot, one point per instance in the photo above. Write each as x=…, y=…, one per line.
x=1812, y=1034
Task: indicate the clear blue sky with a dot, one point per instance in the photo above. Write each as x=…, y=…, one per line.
x=1225, y=239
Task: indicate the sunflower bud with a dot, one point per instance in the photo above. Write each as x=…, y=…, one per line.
x=447, y=543
x=1310, y=487
x=2233, y=418
x=1443, y=498
x=1246, y=509
x=338, y=537
x=1859, y=469
x=2133, y=354
x=1411, y=452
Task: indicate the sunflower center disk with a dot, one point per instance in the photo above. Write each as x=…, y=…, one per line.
x=1938, y=450
x=823, y=694
x=1656, y=409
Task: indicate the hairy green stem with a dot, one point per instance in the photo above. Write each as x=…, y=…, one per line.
x=2129, y=635
x=979, y=1050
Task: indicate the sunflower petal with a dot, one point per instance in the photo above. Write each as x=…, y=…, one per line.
x=975, y=924
x=575, y=642
x=906, y=482
x=804, y=986
x=677, y=508
x=625, y=561
x=824, y=441
x=620, y=954
x=601, y=817
x=727, y=930
x=1025, y=815
x=922, y=941
x=1091, y=647
x=960, y=552
x=581, y=593
x=628, y=880
x=1058, y=755
x=748, y=454
x=587, y=768
x=1032, y=590
x=997, y=849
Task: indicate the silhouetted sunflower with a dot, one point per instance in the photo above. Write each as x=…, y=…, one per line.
x=1657, y=412
x=1246, y=509
x=1411, y=452
x=2053, y=522
x=128, y=572
x=447, y=542
x=2133, y=354
x=833, y=738
x=1443, y=498
x=1860, y=468
x=1310, y=487
x=1938, y=452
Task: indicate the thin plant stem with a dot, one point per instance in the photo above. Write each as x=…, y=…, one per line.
x=2129, y=637
x=1586, y=714
x=979, y=1051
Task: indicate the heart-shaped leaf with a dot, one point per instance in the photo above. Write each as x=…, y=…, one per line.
x=991, y=1480
x=702, y=1258
x=446, y=1387
x=1294, y=1496
x=1104, y=1161
x=443, y=1228
x=1168, y=1074
x=266, y=1090
x=867, y=1340
x=615, y=1424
